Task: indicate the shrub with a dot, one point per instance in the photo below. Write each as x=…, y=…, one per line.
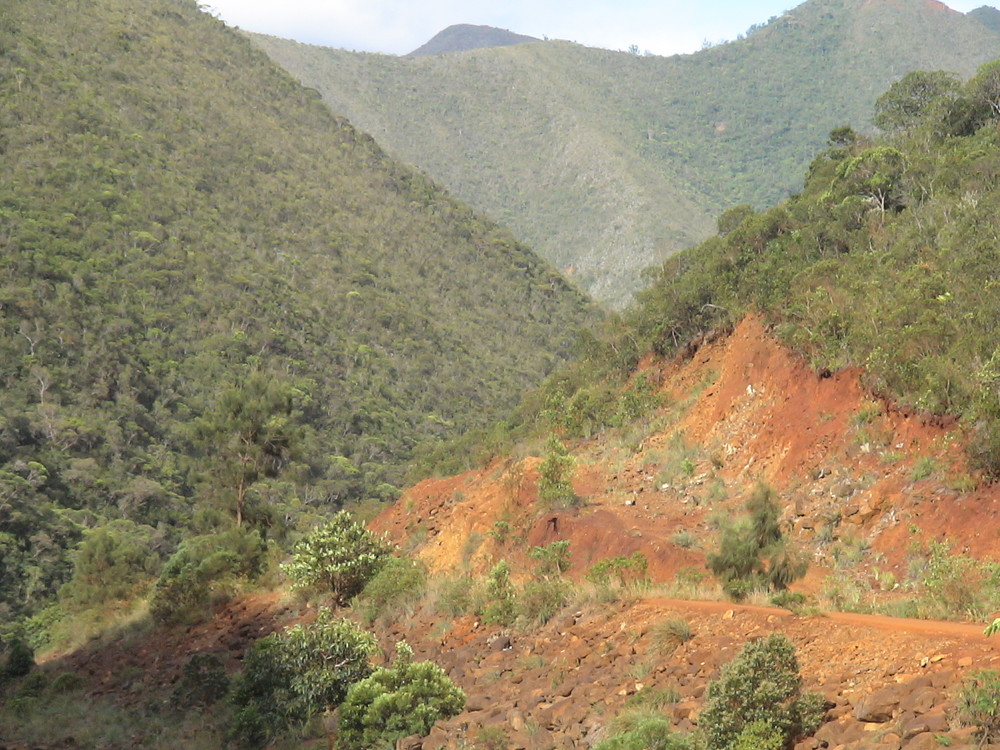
x=18, y=661
x=500, y=594
x=400, y=580
x=555, y=475
x=539, y=601
x=114, y=561
x=642, y=730
x=201, y=567
x=667, y=635
x=761, y=686
x=203, y=682
x=979, y=704
x=340, y=556
x=624, y=569
x=553, y=559
x=753, y=552
x=398, y=701
x=289, y=677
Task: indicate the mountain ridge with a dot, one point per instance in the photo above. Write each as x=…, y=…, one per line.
x=463, y=37
x=607, y=162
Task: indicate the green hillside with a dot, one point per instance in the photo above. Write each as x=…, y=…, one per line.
x=607, y=161
x=220, y=302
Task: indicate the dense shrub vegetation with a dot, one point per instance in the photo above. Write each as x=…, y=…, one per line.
x=397, y=701
x=757, y=700
x=219, y=303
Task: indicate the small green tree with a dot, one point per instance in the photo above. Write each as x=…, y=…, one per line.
x=555, y=474
x=753, y=552
x=289, y=677
x=404, y=699
x=758, y=697
x=340, y=556
x=553, y=559
x=909, y=100
x=500, y=596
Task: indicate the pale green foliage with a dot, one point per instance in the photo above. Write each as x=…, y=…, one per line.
x=979, y=703
x=340, y=556
x=621, y=570
x=555, y=474
x=114, y=561
x=993, y=628
x=500, y=596
x=642, y=730
x=553, y=559
x=758, y=694
x=290, y=676
x=397, y=701
x=401, y=580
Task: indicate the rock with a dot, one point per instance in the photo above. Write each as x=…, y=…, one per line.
x=927, y=723
x=880, y=706
x=413, y=742
x=924, y=741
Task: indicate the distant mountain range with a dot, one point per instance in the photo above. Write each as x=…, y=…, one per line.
x=607, y=162
x=463, y=37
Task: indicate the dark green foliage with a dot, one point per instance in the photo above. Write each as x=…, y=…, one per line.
x=397, y=701
x=753, y=553
x=114, y=562
x=203, y=567
x=759, y=695
x=18, y=660
x=400, y=581
x=339, y=557
x=665, y=142
x=555, y=475
x=910, y=100
x=979, y=703
x=203, y=682
x=289, y=677
x=217, y=298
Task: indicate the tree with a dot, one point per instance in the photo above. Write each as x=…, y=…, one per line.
x=288, y=677
x=758, y=698
x=875, y=173
x=340, y=556
x=754, y=552
x=909, y=100
x=555, y=474
x=252, y=431
x=404, y=699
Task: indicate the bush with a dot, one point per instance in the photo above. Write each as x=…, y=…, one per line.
x=340, y=556
x=553, y=559
x=623, y=570
x=979, y=704
x=642, y=730
x=201, y=567
x=539, y=601
x=398, y=701
x=761, y=686
x=753, y=552
x=114, y=562
x=667, y=635
x=19, y=659
x=555, y=474
x=203, y=682
x=401, y=580
x=289, y=677
x=500, y=595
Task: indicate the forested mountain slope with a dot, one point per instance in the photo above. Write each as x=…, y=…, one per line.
x=607, y=161
x=218, y=298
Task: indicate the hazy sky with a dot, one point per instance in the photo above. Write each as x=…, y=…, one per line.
x=663, y=27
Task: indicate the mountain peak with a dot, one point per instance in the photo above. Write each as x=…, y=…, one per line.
x=463, y=36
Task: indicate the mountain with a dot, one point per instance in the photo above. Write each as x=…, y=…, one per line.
x=462, y=37
x=607, y=162
x=987, y=16
x=218, y=298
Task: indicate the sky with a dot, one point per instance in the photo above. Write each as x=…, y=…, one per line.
x=662, y=27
